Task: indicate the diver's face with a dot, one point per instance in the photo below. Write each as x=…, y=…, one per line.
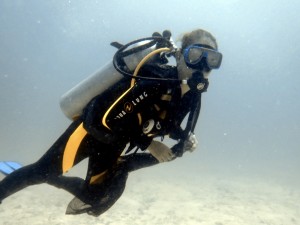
x=184, y=72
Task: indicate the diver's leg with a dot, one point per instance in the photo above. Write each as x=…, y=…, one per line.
x=102, y=159
x=18, y=180
x=46, y=168
x=112, y=189
x=94, y=188
x=98, y=160
x=113, y=185
x=107, y=185
x=73, y=185
x=105, y=182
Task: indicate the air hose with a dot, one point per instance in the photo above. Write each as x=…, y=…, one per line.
x=144, y=60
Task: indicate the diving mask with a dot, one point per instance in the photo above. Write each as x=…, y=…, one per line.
x=194, y=56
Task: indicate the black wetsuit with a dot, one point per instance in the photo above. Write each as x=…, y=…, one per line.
x=121, y=115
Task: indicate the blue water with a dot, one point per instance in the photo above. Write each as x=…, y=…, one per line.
x=249, y=124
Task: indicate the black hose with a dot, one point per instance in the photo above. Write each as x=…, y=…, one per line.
x=120, y=65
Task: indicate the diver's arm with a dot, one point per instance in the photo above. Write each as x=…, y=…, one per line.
x=160, y=151
x=186, y=137
x=137, y=161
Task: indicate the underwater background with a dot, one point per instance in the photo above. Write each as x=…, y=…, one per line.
x=249, y=125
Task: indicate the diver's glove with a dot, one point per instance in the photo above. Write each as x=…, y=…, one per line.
x=191, y=143
x=160, y=151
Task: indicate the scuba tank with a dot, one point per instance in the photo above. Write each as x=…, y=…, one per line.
x=73, y=101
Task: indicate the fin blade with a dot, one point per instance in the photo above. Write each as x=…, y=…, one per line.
x=14, y=165
x=7, y=167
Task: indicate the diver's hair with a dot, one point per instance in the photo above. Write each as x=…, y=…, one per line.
x=198, y=36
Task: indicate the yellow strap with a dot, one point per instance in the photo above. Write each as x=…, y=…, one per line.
x=72, y=147
x=98, y=178
x=139, y=118
x=166, y=98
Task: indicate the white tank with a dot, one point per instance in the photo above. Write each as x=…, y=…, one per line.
x=73, y=102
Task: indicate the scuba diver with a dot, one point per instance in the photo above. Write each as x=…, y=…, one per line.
x=149, y=100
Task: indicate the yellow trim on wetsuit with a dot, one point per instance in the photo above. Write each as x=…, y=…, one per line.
x=72, y=147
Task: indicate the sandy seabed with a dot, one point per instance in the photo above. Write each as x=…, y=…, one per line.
x=178, y=199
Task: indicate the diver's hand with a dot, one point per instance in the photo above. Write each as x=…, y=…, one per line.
x=191, y=143
x=160, y=151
